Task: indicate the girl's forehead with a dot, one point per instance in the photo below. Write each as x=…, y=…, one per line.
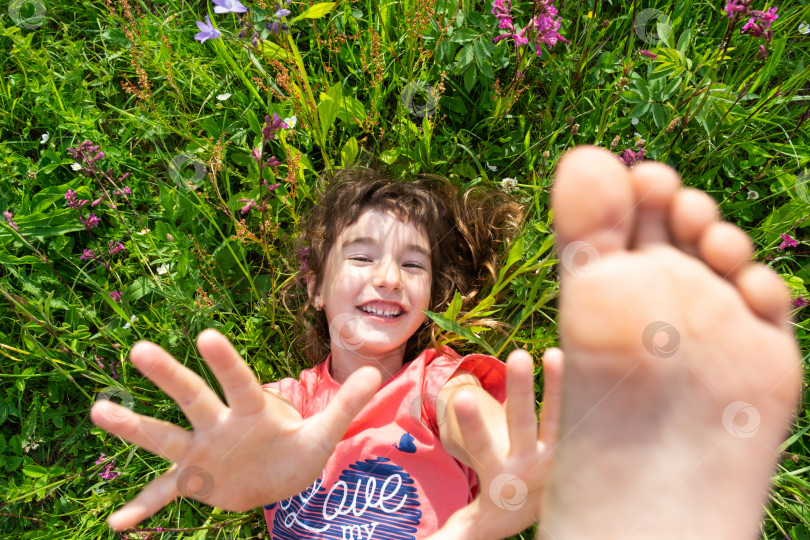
x=382, y=227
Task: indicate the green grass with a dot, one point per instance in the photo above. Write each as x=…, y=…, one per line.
x=132, y=79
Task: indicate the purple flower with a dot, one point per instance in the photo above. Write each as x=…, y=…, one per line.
x=800, y=302
x=87, y=255
x=91, y=221
x=733, y=7
x=630, y=158
x=229, y=6
x=648, y=54
x=303, y=258
x=282, y=13
x=250, y=204
x=100, y=459
x=116, y=296
x=766, y=17
x=125, y=191
x=116, y=247
x=207, y=31
x=72, y=201
x=8, y=215
x=272, y=126
x=787, y=242
x=272, y=162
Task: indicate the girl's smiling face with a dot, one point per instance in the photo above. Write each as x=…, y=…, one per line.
x=376, y=283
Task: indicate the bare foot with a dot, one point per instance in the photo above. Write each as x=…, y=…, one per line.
x=681, y=368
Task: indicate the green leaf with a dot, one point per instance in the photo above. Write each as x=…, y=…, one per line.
x=466, y=56
x=317, y=11
x=273, y=50
x=329, y=106
x=35, y=471
x=455, y=307
x=470, y=76
x=683, y=41
x=665, y=31
x=349, y=152
x=455, y=328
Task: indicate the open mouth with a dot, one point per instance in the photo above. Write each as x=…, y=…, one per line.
x=386, y=312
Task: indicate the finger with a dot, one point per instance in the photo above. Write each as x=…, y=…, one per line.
x=161, y=438
x=553, y=361
x=199, y=403
x=242, y=391
x=477, y=440
x=521, y=415
x=331, y=423
x=149, y=501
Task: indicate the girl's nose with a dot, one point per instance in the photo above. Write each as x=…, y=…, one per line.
x=388, y=274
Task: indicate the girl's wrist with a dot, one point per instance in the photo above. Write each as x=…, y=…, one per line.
x=467, y=523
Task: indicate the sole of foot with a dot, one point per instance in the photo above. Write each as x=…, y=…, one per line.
x=681, y=370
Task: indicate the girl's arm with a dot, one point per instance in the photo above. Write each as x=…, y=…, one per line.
x=502, y=445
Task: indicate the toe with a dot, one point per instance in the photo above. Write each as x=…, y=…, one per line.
x=691, y=214
x=725, y=248
x=655, y=186
x=765, y=293
x=592, y=200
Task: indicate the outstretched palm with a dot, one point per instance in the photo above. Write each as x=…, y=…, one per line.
x=254, y=451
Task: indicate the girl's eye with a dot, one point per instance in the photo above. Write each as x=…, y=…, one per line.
x=360, y=258
x=414, y=265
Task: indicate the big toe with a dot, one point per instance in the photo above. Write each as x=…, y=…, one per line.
x=592, y=199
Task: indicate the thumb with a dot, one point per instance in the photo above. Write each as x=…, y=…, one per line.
x=334, y=420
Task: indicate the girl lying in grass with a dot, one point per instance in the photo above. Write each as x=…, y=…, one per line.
x=388, y=437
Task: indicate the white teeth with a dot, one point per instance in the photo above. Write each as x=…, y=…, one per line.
x=381, y=313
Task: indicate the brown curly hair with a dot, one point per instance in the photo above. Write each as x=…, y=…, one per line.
x=465, y=231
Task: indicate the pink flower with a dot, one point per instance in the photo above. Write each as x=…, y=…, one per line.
x=87, y=255
x=125, y=191
x=116, y=247
x=800, y=302
x=250, y=204
x=787, y=242
x=648, y=54
x=116, y=296
x=8, y=215
x=766, y=17
x=72, y=201
x=629, y=158
x=733, y=7
x=91, y=221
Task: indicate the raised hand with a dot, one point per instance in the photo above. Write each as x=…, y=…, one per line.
x=254, y=451
x=512, y=477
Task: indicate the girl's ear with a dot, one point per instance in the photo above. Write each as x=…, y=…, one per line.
x=314, y=297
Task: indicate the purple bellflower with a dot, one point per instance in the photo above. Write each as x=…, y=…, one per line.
x=229, y=6
x=207, y=31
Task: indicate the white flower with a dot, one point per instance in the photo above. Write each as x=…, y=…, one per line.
x=143, y=232
x=752, y=195
x=131, y=320
x=162, y=269
x=804, y=28
x=76, y=166
x=223, y=97
x=492, y=168
x=508, y=185
x=634, y=121
x=45, y=137
x=290, y=122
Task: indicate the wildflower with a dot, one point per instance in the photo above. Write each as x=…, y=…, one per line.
x=274, y=28
x=282, y=13
x=91, y=221
x=223, y=97
x=8, y=215
x=752, y=195
x=96, y=202
x=250, y=204
x=76, y=166
x=766, y=17
x=733, y=7
x=800, y=302
x=546, y=25
x=229, y=6
x=634, y=121
x=83, y=152
x=162, y=269
x=72, y=201
x=648, y=54
x=123, y=192
x=615, y=142
x=508, y=185
x=574, y=129
x=492, y=168
x=272, y=162
x=787, y=242
x=629, y=157
x=116, y=296
x=87, y=255
x=129, y=324
x=45, y=137
x=272, y=126
x=207, y=31
x=116, y=247
x=290, y=122
x=804, y=28
x=108, y=473
x=303, y=258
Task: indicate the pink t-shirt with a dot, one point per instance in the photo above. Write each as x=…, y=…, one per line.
x=390, y=477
